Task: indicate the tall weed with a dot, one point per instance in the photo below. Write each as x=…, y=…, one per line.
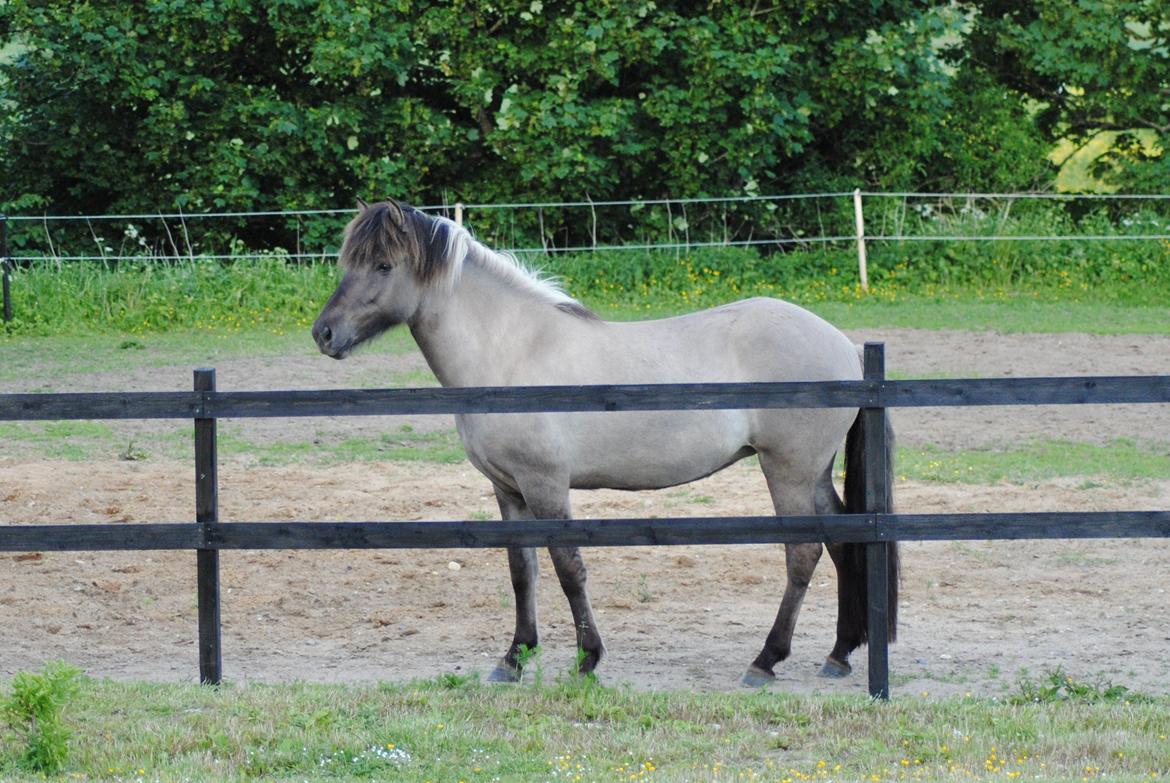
x=34, y=712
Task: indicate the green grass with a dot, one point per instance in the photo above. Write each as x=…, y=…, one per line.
x=1017, y=314
x=51, y=356
x=64, y=440
x=453, y=729
x=98, y=441
x=1019, y=286
x=404, y=444
x=1119, y=460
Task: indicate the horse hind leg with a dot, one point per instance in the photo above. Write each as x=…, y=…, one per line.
x=850, y=564
x=525, y=571
x=851, y=616
x=788, y=497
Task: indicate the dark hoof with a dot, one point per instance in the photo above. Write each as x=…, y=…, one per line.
x=756, y=677
x=835, y=669
x=505, y=673
x=587, y=661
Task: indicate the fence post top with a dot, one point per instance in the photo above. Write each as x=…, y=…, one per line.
x=205, y=379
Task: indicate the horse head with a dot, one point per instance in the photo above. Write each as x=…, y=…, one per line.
x=392, y=254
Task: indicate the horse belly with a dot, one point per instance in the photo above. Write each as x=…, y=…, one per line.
x=651, y=450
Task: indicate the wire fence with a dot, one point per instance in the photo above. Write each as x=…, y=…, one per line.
x=618, y=203
x=778, y=223
x=954, y=216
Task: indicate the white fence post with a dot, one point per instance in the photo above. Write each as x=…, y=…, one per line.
x=860, y=221
x=458, y=213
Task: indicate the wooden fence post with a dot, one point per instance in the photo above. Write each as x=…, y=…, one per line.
x=207, y=514
x=5, y=268
x=859, y=222
x=877, y=501
x=458, y=213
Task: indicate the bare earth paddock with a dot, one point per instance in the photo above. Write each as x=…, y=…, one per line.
x=974, y=614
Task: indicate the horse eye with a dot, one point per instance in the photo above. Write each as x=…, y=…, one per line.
x=383, y=269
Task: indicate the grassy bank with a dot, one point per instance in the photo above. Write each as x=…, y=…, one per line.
x=453, y=729
x=1015, y=286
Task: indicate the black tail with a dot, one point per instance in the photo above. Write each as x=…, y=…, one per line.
x=851, y=568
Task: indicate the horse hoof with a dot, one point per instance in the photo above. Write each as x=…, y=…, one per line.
x=587, y=661
x=835, y=669
x=756, y=677
x=503, y=673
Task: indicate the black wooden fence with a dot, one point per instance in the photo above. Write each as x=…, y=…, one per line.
x=875, y=528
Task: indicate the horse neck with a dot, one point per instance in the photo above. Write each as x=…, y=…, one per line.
x=474, y=334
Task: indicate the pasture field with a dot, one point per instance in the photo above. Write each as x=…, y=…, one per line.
x=451, y=728
x=1043, y=660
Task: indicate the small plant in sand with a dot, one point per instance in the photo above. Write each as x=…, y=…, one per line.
x=645, y=594
x=531, y=655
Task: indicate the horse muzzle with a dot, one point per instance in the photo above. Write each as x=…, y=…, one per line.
x=333, y=340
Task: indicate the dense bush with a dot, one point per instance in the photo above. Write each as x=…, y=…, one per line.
x=137, y=107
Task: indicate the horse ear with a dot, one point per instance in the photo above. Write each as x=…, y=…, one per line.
x=362, y=205
x=396, y=215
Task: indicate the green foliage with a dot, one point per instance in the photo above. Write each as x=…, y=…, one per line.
x=137, y=297
x=1058, y=687
x=34, y=710
x=1088, y=66
x=274, y=294
x=177, y=104
x=207, y=105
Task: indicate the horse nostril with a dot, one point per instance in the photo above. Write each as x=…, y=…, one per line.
x=322, y=334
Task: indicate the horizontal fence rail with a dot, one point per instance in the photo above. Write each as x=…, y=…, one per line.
x=587, y=399
x=876, y=528
x=663, y=531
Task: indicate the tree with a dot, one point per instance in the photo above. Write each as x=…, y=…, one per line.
x=239, y=104
x=1089, y=66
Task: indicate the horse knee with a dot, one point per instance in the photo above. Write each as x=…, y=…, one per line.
x=570, y=568
x=801, y=561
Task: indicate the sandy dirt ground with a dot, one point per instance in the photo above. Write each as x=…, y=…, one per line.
x=976, y=616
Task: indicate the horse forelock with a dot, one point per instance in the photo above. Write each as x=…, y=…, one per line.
x=432, y=247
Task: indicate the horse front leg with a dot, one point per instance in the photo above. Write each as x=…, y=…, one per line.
x=524, y=569
x=571, y=572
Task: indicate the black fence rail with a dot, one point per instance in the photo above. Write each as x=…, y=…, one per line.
x=875, y=528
